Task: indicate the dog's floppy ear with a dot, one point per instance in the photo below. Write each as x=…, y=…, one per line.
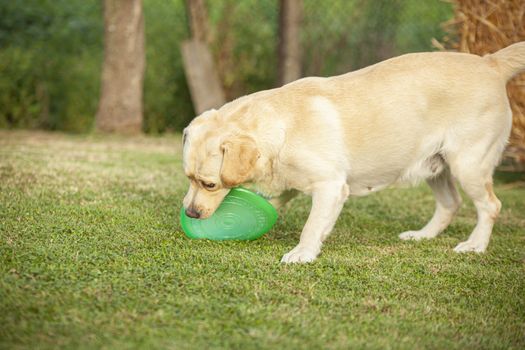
x=239, y=156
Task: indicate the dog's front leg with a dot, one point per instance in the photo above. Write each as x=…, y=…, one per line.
x=328, y=199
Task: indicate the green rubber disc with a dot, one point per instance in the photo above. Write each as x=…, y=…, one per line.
x=242, y=215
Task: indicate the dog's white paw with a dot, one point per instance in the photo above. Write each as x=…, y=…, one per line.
x=471, y=246
x=300, y=255
x=415, y=235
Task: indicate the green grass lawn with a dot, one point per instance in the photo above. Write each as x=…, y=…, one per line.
x=92, y=255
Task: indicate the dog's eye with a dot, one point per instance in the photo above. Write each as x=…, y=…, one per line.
x=208, y=185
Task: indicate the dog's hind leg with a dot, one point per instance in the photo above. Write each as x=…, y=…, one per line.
x=474, y=168
x=448, y=202
x=478, y=186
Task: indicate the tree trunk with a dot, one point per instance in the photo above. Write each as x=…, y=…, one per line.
x=202, y=76
x=201, y=73
x=198, y=20
x=290, y=16
x=120, y=107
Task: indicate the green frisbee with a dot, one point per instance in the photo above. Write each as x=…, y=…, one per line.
x=242, y=215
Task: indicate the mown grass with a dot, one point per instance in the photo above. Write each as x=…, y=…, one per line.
x=92, y=256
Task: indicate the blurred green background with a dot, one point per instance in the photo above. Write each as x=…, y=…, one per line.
x=51, y=52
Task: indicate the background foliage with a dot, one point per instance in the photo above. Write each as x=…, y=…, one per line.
x=51, y=52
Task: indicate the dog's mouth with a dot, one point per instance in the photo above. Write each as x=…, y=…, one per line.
x=203, y=207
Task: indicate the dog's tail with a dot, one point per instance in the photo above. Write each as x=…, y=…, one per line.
x=510, y=60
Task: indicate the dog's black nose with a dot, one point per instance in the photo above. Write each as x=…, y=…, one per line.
x=192, y=213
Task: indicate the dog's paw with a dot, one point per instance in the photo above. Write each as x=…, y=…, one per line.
x=471, y=246
x=415, y=235
x=300, y=255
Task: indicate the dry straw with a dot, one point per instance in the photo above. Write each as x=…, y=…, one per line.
x=485, y=26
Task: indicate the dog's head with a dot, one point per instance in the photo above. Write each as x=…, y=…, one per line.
x=215, y=159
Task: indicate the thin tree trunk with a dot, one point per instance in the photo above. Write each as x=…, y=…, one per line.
x=290, y=16
x=198, y=20
x=201, y=73
x=121, y=106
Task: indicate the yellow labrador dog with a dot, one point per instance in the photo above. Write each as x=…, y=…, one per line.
x=435, y=116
